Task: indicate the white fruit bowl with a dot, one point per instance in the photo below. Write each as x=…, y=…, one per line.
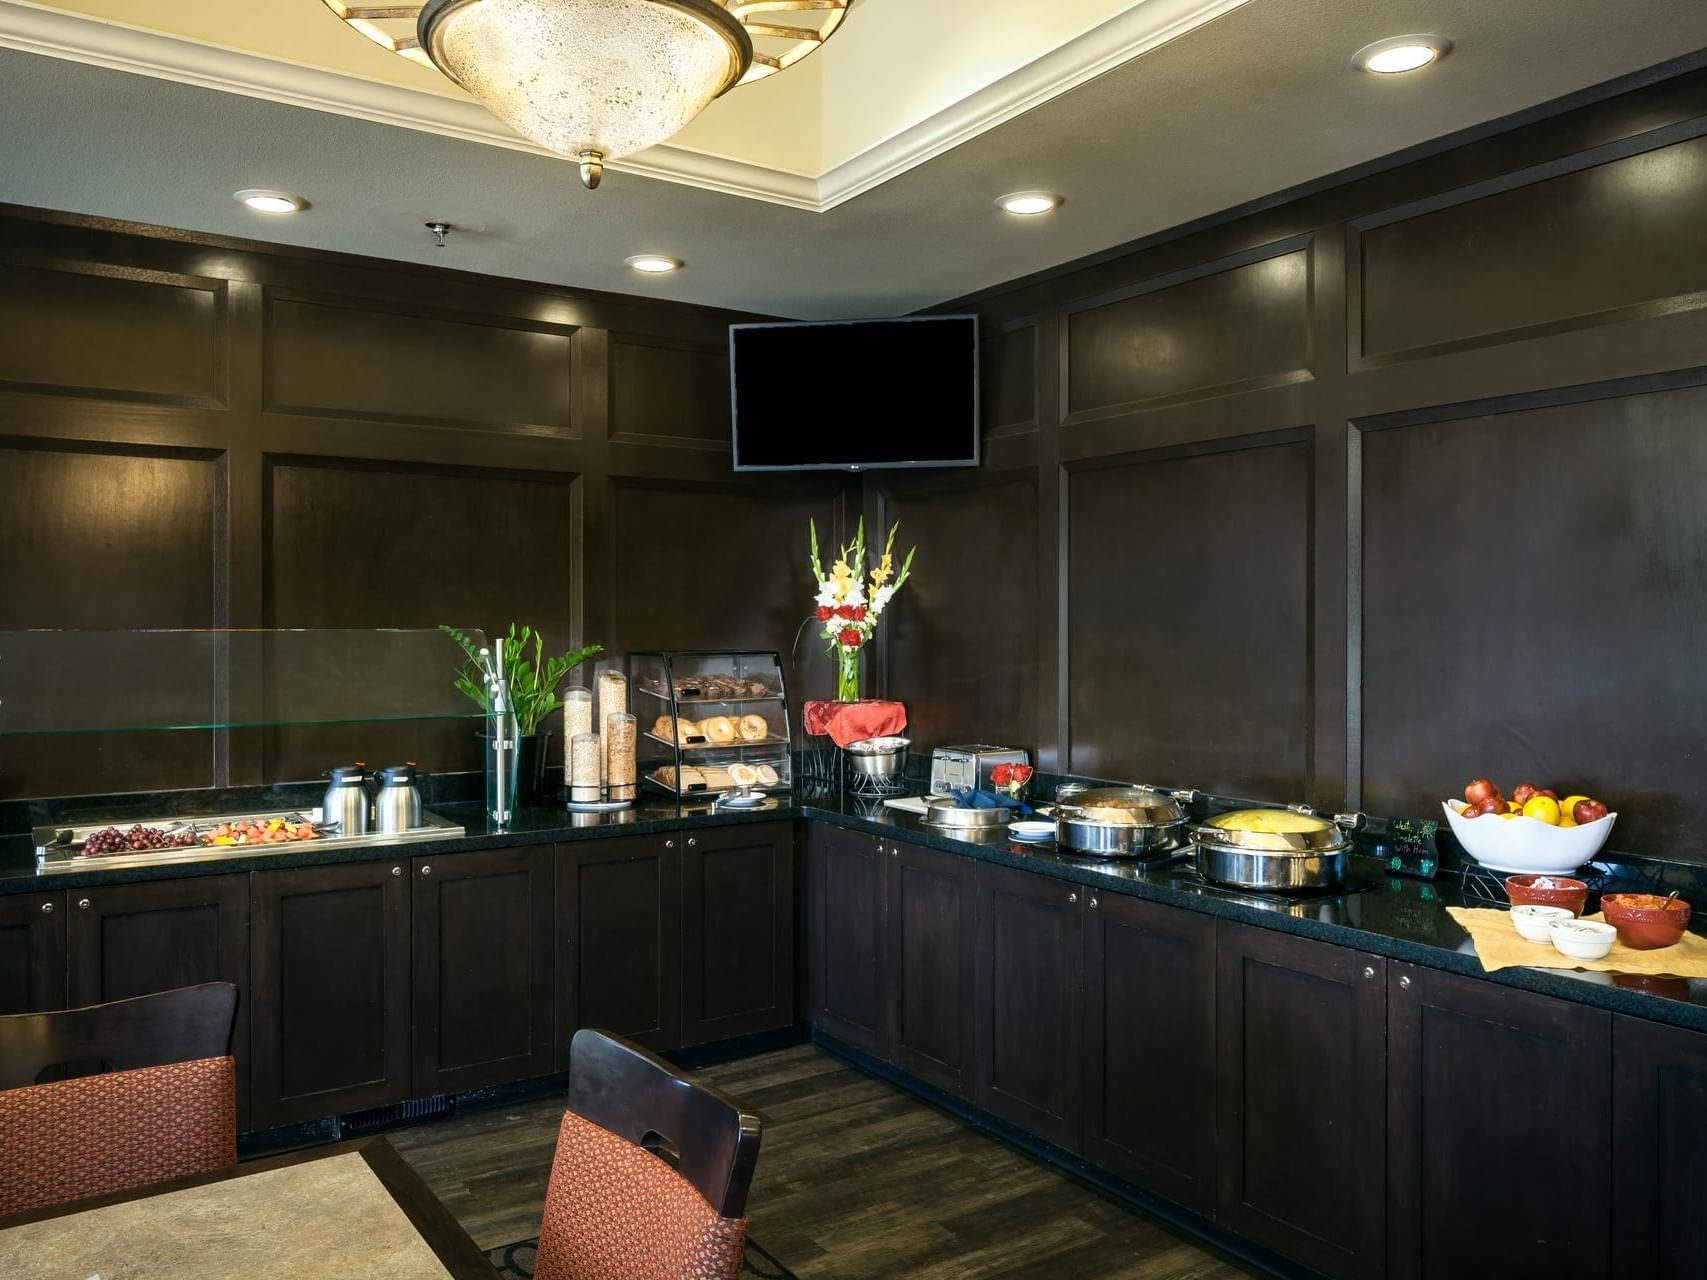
x=1525, y=846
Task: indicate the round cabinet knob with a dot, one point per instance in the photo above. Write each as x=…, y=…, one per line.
x=83, y=903
x=47, y=907
x=1369, y=971
x=427, y=871
x=669, y=844
x=692, y=842
x=397, y=871
x=1093, y=904
x=1404, y=984
x=1072, y=897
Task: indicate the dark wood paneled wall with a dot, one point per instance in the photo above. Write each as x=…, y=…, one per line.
x=210, y=433
x=1353, y=496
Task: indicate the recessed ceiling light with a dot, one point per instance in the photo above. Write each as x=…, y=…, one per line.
x=654, y=263
x=263, y=201
x=1028, y=204
x=1400, y=53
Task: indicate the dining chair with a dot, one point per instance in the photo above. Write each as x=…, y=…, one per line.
x=116, y=1096
x=651, y=1173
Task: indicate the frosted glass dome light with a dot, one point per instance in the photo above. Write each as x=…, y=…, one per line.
x=589, y=79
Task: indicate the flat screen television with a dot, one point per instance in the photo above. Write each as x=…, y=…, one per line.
x=855, y=395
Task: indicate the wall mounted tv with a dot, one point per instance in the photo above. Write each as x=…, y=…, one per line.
x=855, y=395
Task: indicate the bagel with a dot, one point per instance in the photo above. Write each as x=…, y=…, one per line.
x=768, y=777
x=743, y=775
x=754, y=729
x=718, y=730
x=664, y=727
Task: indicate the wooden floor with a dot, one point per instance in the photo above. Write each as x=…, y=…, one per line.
x=856, y=1180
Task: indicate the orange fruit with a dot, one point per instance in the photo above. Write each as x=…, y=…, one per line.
x=1543, y=809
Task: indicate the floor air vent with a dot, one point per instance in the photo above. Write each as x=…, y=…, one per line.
x=397, y=1113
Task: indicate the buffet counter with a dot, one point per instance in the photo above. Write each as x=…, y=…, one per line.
x=1400, y=918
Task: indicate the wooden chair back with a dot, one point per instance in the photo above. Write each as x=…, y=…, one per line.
x=705, y=1135
x=181, y=1025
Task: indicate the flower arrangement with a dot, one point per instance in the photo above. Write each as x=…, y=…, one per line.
x=1010, y=780
x=850, y=601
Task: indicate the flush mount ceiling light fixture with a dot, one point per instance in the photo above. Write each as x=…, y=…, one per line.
x=595, y=80
x=1028, y=204
x=1400, y=54
x=653, y=264
x=264, y=201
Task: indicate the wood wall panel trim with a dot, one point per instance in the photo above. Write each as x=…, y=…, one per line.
x=641, y=414
x=132, y=322
x=360, y=370
x=1195, y=423
x=1686, y=142
x=1016, y=351
x=1189, y=288
x=1620, y=531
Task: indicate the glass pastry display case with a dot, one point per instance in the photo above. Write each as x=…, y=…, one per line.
x=712, y=723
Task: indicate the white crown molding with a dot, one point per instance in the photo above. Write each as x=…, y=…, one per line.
x=1136, y=31
x=56, y=33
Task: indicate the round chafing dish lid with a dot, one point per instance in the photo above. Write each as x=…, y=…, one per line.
x=1270, y=831
x=1121, y=806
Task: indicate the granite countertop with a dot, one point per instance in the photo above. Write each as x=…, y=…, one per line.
x=1399, y=918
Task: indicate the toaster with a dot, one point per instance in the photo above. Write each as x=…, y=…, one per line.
x=969, y=766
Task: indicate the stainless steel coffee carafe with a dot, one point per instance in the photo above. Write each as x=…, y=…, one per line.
x=399, y=805
x=346, y=802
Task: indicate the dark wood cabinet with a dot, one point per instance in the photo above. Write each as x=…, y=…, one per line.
x=737, y=931
x=331, y=1007
x=848, y=905
x=1301, y=1063
x=930, y=965
x=1659, y=1148
x=32, y=952
x=619, y=939
x=135, y=939
x=484, y=960
x=1029, y=962
x=1500, y=1134
x=1149, y=1047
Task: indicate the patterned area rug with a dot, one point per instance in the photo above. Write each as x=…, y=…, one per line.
x=515, y=1262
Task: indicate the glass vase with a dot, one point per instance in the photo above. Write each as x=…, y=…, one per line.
x=847, y=673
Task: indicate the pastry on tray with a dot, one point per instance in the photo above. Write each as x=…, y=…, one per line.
x=754, y=728
x=720, y=731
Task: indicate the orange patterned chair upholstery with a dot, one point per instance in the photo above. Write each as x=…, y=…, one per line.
x=72, y=1139
x=651, y=1173
x=615, y=1211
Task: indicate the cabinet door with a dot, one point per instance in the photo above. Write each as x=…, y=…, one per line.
x=1030, y=958
x=933, y=928
x=847, y=897
x=619, y=940
x=484, y=969
x=737, y=931
x=1499, y=1110
x=135, y=939
x=1301, y=1107
x=329, y=1022
x=1659, y=1148
x=32, y=952
x=1150, y=1035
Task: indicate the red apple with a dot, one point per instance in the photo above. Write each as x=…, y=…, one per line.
x=1479, y=790
x=1493, y=804
x=1588, y=811
x=1525, y=792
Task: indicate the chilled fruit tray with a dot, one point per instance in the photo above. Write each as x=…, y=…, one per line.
x=210, y=839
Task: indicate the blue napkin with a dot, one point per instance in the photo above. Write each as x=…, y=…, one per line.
x=967, y=798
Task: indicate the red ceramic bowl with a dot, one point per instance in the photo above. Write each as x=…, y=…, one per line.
x=1559, y=891
x=1645, y=921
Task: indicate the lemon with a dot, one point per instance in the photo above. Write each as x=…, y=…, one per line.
x=1567, y=822
x=1509, y=814
x=1567, y=807
x=1542, y=809
x=1513, y=806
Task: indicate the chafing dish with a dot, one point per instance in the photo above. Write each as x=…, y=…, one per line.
x=1277, y=850
x=1121, y=822
x=951, y=817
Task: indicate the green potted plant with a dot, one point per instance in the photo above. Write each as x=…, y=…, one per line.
x=534, y=681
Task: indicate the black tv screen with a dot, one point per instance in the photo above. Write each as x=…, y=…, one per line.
x=855, y=394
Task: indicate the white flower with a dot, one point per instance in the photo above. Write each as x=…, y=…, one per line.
x=880, y=598
x=826, y=594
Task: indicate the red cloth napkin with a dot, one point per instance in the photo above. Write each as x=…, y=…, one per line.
x=845, y=722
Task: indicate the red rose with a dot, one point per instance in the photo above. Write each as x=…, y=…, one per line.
x=1022, y=773
x=857, y=613
x=1002, y=774
x=849, y=637
x=825, y=613
x=842, y=611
